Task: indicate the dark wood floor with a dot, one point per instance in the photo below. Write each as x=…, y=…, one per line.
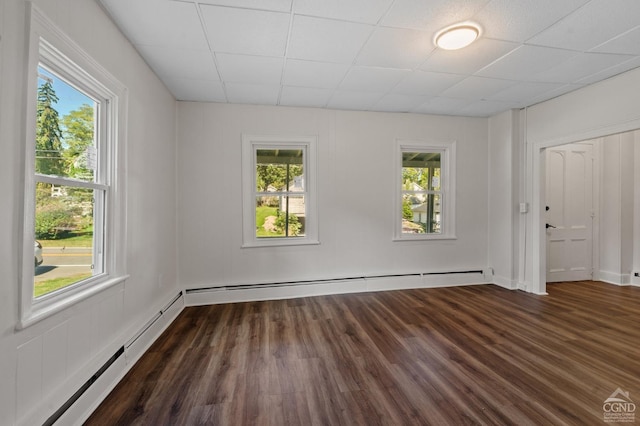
x=448, y=356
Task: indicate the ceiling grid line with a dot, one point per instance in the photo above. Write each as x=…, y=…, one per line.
x=286, y=50
x=213, y=55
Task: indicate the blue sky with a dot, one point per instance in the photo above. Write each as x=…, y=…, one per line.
x=69, y=98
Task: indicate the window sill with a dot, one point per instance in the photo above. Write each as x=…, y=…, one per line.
x=48, y=309
x=277, y=242
x=424, y=237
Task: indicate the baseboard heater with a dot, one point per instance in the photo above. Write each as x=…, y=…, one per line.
x=152, y=321
x=60, y=411
x=322, y=281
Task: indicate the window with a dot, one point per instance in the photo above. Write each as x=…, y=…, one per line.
x=279, y=191
x=74, y=192
x=426, y=188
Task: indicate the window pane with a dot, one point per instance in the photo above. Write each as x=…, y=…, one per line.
x=421, y=171
x=64, y=229
x=279, y=170
x=65, y=129
x=280, y=216
x=421, y=186
x=420, y=217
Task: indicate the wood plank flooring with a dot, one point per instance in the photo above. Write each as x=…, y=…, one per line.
x=446, y=356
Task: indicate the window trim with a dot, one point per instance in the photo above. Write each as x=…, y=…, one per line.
x=249, y=145
x=50, y=46
x=447, y=190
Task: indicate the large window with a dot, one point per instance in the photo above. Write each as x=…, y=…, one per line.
x=74, y=195
x=425, y=208
x=279, y=191
x=70, y=185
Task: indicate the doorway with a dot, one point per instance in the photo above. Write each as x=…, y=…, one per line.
x=570, y=211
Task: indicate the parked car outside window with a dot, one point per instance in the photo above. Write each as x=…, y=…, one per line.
x=38, y=252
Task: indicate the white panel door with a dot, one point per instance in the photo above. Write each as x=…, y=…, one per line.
x=569, y=198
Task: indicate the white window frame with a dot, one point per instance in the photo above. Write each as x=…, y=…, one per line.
x=250, y=143
x=447, y=189
x=56, y=51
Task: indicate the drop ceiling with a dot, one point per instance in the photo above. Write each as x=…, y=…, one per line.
x=378, y=55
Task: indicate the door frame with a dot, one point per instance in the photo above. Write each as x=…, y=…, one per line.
x=535, y=176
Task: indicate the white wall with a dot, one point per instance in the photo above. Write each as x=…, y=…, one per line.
x=41, y=366
x=356, y=153
x=602, y=109
x=627, y=165
x=504, y=197
x=616, y=208
x=636, y=208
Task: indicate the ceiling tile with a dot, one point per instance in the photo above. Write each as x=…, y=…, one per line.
x=580, y=66
x=476, y=87
x=610, y=72
x=625, y=44
x=593, y=24
x=396, y=48
x=555, y=93
x=431, y=15
x=372, y=79
x=345, y=99
x=182, y=63
x=426, y=83
x=364, y=11
x=195, y=90
x=468, y=60
x=275, y=5
x=326, y=40
x=522, y=93
x=314, y=74
x=250, y=69
x=525, y=62
x=520, y=20
x=172, y=24
x=485, y=108
x=304, y=96
x=440, y=105
x=398, y=103
x=244, y=31
x=241, y=93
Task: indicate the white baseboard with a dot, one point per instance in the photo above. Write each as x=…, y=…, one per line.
x=505, y=282
x=614, y=278
x=277, y=291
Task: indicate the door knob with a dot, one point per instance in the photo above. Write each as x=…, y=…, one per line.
x=547, y=226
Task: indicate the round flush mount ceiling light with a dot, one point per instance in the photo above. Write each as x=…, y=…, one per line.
x=457, y=36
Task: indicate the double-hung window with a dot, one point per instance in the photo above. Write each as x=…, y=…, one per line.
x=73, y=238
x=425, y=182
x=279, y=191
